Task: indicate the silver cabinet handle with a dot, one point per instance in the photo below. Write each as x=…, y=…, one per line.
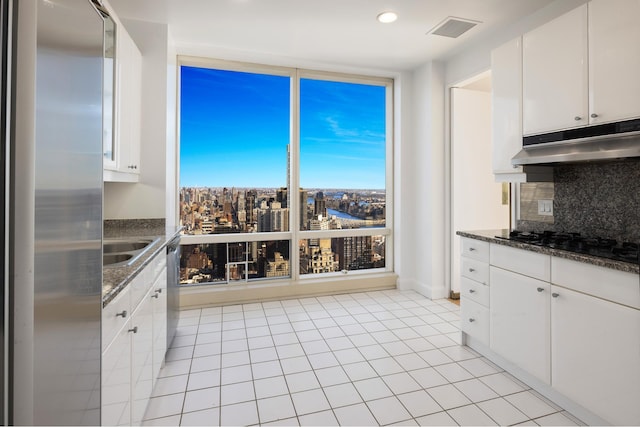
x=134, y=330
x=472, y=249
x=471, y=291
x=471, y=270
x=472, y=320
x=594, y=115
x=577, y=118
x=123, y=314
x=540, y=289
x=555, y=295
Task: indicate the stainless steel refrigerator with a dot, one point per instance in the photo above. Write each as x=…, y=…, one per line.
x=55, y=214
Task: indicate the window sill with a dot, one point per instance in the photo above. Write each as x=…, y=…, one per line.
x=213, y=295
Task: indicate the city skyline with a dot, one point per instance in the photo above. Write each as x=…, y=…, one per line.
x=234, y=131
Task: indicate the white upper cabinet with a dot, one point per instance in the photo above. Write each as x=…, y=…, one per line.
x=506, y=104
x=122, y=153
x=581, y=68
x=555, y=74
x=614, y=60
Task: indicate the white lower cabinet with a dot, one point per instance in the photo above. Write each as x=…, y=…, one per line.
x=142, y=358
x=568, y=327
x=159, y=297
x=116, y=380
x=474, y=320
x=520, y=329
x=132, y=359
x=595, y=355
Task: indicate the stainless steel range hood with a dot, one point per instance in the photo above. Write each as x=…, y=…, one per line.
x=594, y=143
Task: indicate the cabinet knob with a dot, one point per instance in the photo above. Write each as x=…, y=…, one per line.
x=472, y=249
x=471, y=291
x=471, y=319
x=594, y=115
x=540, y=289
x=123, y=314
x=577, y=118
x=154, y=295
x=471, y=270
x=159, y=291
x=555, y=295
x=134, y=330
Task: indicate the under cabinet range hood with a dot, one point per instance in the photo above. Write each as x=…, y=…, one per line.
x=609, y=141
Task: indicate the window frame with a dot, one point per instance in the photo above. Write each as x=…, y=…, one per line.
x=294, y=235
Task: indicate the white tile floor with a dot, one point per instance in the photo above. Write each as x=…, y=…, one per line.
x=373, y=358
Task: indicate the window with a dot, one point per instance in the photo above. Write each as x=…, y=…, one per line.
x=249, y=136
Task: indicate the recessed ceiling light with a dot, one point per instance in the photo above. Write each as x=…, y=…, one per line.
x=387, y=17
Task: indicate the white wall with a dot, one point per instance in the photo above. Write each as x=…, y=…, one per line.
x=171, y=168
x=422, y=197
x=147, y=198
x=476, y=197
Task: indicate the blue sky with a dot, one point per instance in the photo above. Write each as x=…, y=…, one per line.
x=234, y=131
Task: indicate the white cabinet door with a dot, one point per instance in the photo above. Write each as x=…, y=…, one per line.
x=596, y=355
x=128, y=103
x=555, y=74
x=116, y=380
x=506, y=105
x=614, y=60
x=129, y=111
x=159, y=294
x=519, y=322
x=142, y=358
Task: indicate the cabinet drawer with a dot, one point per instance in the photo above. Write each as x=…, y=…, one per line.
x=115, y=315
x=474, y=320
x=523, y=262
x=474, y=291
x=475, y=270
x=612, y=285
x=474, y=249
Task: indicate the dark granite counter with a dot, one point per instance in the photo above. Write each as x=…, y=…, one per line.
x=490, y=236
x=116, y=278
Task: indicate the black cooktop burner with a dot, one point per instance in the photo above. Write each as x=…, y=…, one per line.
x=574, y=242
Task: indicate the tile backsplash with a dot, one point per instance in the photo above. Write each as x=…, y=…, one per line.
x=595, y=199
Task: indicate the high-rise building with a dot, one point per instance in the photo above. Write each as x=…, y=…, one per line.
x=303, y=210
x=250, y=200
x=273, y=218
x=281, y=196
x=353, y=253
x=319, y=205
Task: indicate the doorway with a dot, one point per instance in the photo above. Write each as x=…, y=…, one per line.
x=477, y=201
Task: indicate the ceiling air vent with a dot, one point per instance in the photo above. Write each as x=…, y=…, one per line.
x=453, y=27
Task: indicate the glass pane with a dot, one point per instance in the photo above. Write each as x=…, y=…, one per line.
x=342, y=128
x=341, y=254
x=222, y=263
x=234, y=151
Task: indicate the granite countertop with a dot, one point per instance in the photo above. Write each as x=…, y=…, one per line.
x=116, y=278
x=490, y=236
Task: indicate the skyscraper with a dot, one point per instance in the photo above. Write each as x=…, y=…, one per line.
x=319, y=205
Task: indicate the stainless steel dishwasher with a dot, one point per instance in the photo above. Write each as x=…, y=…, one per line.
x=173, y=279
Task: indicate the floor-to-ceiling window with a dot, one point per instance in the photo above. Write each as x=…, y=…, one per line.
x=285, y=174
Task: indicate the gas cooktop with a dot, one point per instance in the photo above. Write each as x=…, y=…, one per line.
x=574, y=242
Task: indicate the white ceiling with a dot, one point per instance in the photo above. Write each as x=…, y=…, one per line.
x=343, y=32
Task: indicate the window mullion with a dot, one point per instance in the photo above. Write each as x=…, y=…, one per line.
x=294, y=193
